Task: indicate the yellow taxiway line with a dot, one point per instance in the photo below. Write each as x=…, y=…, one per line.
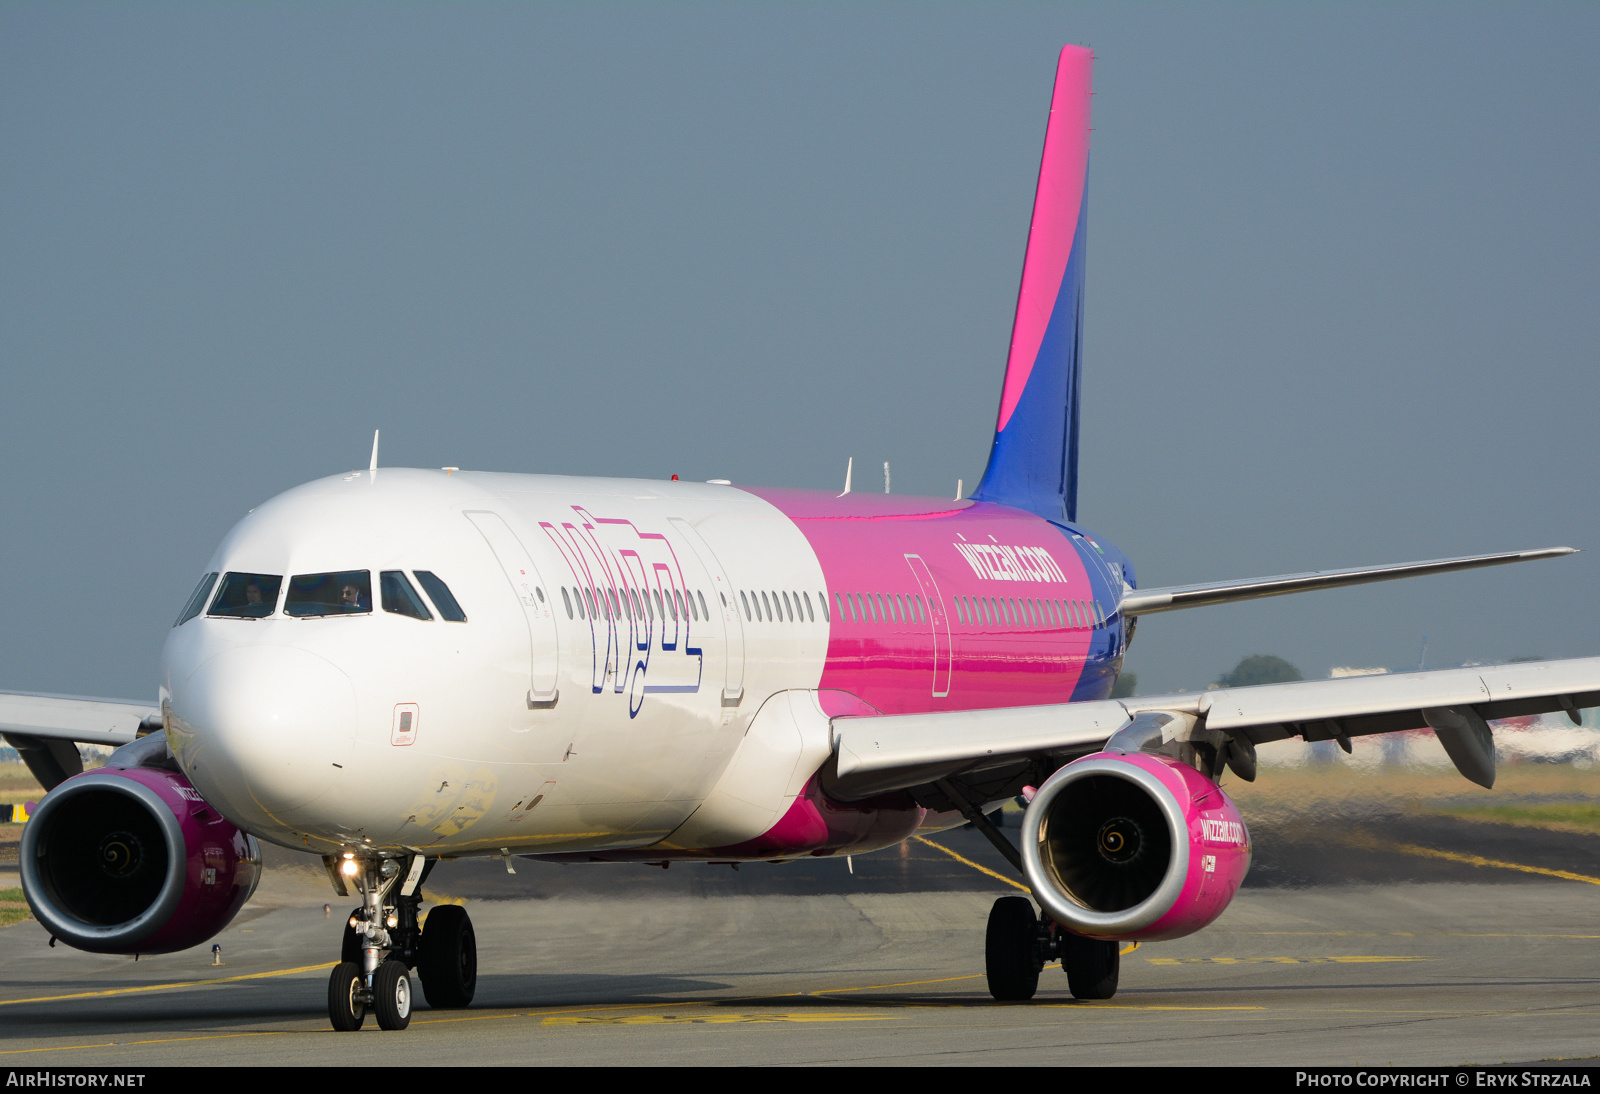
x=968, y=862
x=1362, y=839
x=169, y=987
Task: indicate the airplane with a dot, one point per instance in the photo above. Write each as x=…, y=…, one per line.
x=396, y=666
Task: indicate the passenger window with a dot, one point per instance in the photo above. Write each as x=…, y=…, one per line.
x=788, y=608
x=247, y=596
x=703, y=613
x=811, y=616
x=197, y=599
x=822, y=603
x=838, y=605
x=566, y=599
x=344, y=592
x=401, y=599
x=439, y=593
x=746, y=604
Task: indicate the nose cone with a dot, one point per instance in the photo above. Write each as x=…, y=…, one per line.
x=262, y=730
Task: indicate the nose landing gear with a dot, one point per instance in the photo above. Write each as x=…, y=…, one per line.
x=383, y=942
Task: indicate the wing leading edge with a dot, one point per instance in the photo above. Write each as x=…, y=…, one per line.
x=897, y=752
x=44, y=729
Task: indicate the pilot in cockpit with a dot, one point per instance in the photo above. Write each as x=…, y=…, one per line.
x=350, y=599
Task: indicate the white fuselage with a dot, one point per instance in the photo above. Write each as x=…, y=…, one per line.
x=536, y=725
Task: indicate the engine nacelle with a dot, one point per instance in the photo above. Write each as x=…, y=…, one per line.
x=134, y=861
x=1133, y=846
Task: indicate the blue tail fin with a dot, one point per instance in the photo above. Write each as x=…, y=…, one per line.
x=1034, y=462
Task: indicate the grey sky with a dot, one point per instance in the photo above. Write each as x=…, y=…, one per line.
x=1343, y=267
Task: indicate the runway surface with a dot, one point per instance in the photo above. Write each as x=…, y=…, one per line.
x=1366, y=934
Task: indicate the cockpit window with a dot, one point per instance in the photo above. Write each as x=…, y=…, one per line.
x=439, y=593
x=348, y=592
x=399, y=597
x=197, y=599
x=247, y=596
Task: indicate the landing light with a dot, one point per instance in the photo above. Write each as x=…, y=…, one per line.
x=350, y=867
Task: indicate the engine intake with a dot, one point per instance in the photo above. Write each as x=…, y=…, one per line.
x=1133, y=846
x=134, y=861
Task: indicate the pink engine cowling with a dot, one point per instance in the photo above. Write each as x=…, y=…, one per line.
x=1133, y=846
x=134, y=861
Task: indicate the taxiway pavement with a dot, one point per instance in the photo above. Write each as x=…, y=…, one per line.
x=1379, y=939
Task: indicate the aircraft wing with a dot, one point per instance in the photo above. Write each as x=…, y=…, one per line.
x=44, y=729
x=1173, y=597
x=992, y=753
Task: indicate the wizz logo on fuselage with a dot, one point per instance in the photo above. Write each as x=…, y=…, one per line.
x=631, y=594
x=1000, y=563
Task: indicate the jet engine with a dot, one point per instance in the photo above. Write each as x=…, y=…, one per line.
x=134, y=861
x=1135, y=844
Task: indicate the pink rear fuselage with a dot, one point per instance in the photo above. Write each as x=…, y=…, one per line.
x=1027, y=643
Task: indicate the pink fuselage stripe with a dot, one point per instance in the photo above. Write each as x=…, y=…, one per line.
x=1019, y=648
x=1062, y=171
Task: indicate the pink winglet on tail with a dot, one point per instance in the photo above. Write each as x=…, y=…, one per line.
x=1063, y=169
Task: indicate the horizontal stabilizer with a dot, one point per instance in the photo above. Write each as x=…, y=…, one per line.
x=1173, y=597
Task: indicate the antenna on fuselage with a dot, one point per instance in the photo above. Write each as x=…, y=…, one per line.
x=958, y=489
x=885, y=476
x=373, y=466
x=848, y=467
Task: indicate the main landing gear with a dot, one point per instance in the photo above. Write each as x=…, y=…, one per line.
x=384, y=940
x=1019, y=943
